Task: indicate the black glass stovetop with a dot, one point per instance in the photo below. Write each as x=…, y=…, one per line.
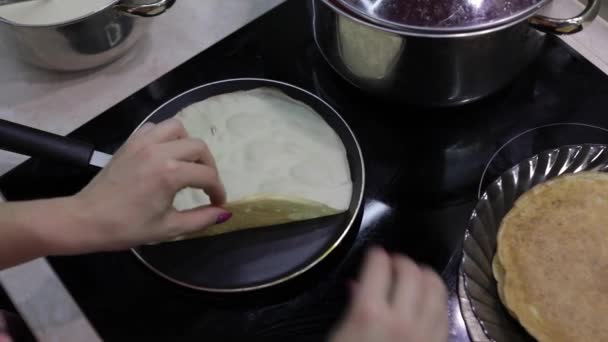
x=424, y=169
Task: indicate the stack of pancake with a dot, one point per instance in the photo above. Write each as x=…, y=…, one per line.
x=551, y=263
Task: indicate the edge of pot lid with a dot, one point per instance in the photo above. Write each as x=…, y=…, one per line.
x=440, y=16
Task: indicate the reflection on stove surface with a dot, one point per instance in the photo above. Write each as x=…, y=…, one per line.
x=423, y=172
x=374, y=212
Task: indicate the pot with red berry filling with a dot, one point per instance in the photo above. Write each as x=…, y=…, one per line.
x=436, y=53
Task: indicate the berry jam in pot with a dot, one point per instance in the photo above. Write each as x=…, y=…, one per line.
x=443, y=14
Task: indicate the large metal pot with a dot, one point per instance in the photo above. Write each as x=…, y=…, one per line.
x=433, y=66
x=83, y=43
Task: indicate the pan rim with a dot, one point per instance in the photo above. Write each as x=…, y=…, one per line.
x=290, y=275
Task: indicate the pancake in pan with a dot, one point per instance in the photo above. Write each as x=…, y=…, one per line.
x=279, y=160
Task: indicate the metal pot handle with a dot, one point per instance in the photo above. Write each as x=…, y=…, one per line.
x=136, y=9
x=567, y=26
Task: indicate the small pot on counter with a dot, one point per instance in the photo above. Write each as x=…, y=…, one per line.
x=435, y=53
x=93, y=40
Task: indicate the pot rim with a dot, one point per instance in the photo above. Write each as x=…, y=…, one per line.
x=524, y=14
x=431, y=32
x=83, y=17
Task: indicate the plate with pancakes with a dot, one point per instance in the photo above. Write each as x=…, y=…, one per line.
x=535, y=252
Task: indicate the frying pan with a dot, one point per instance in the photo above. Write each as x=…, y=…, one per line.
x=246, y=260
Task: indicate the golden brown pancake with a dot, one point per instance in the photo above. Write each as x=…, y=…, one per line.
x=263, y=211
x=552, y=259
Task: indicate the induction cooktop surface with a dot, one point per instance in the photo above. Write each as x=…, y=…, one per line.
x=425, y=169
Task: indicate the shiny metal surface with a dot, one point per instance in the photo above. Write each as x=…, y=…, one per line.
x=442, y=15
x=84, y=43
x=145, y=9
x=423, y=68
x=479, y=244
x=570, y=25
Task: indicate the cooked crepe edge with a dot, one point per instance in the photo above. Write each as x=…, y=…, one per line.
x=319, y=209
x=323, y=209
x=512, y=300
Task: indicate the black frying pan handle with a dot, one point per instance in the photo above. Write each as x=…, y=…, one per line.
x=40, y=144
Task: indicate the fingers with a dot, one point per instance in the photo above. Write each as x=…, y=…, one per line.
x=150, y=134
x=167, y=130
x=196, y=219
x=399, y=282
x=146, y=127
x=433, y=283
x=189, y=149
x=5, y=338
x=375, y=279
x=176, y=145
x=395, y=300
x=183, y=174
x=167, y=144
x=408, y=287
x=434, y=312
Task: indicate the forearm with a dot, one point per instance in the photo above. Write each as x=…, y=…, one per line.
x=128, y=203
x=33, y=229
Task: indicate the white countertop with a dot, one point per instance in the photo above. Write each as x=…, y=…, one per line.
x=60, y=103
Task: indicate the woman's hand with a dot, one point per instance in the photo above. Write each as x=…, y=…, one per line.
x=395, y=300
x=130, y=201
x=4, y=337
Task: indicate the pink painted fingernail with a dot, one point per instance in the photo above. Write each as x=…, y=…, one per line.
x=223, y=217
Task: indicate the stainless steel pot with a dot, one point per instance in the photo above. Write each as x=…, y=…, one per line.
x=83, y=43
x=433, y=67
